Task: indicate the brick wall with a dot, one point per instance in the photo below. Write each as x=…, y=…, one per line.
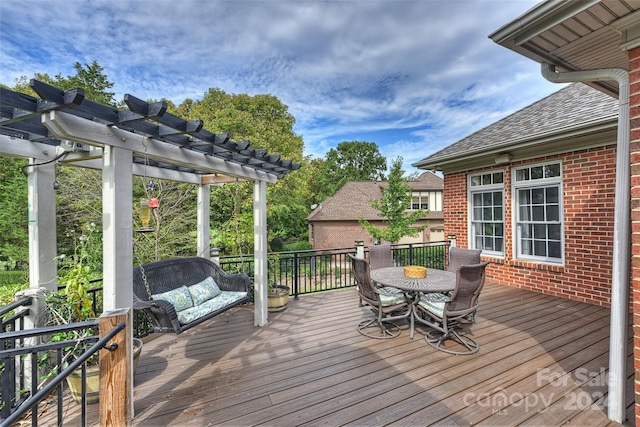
x=634, y=113
x=588, y=195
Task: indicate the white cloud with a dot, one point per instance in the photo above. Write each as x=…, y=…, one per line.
x=345, y=68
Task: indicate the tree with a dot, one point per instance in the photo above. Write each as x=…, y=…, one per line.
x=393, y=208
x=351, y=161
x=14, y=253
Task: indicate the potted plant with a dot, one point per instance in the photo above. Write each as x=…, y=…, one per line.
x=277, y=297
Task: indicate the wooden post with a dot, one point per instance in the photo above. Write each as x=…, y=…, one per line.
x=116, y=368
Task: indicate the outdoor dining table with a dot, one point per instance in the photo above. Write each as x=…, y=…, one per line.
x=435, y=281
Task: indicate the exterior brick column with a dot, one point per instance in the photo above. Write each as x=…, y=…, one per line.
x=634, y=115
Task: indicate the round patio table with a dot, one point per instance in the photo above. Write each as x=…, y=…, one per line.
x=436, y=281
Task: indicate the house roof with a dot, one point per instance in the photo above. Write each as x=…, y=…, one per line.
x=353, y=200
x=575, y=35
x=575, y=109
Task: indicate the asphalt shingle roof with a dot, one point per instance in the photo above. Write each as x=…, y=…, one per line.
x=574, y=106
x=354, y=199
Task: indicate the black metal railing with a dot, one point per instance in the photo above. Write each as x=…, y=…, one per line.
x=21, y=394
x=322, y=270
x=15, y=321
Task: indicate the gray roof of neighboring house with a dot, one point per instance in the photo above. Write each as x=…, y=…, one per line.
x=354, y=199
x=572, y=107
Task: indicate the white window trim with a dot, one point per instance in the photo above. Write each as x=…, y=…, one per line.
x=481, y=189
x=541, y=182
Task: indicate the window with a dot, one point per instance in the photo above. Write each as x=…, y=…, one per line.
x=419, y=200
x=538, y=199
x=487, y=212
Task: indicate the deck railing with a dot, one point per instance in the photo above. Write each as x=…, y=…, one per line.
x=322, y=270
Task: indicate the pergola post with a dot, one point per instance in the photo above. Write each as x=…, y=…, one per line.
x=260, y=252
x=203, y=220
x=117, y=222
x=42, y=226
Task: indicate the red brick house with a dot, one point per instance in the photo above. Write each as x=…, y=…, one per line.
x=535, y=191
x=596, y=42
x=334, y=223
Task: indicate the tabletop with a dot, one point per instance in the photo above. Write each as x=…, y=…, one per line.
x=436, y=280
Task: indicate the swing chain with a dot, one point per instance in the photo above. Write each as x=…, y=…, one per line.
x=142, y=272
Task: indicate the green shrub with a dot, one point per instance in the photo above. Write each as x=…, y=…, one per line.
x=12, y=277
x=300, y=245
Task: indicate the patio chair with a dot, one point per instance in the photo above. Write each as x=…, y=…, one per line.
x=460, y=256
x=448, y=317
x=380, y=256
x=386, y=308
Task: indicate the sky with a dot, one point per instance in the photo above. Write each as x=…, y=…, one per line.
x=413, y=76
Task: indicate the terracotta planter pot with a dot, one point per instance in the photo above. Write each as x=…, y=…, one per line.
x=277, y=298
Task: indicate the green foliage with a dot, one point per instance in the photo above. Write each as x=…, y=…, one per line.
x=393, y=208
x=8, y=278
x=300, y=245
x=14, y=229
x=276, y=244
x=350, y=161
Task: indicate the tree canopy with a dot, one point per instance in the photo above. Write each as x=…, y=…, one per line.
x=351, y=161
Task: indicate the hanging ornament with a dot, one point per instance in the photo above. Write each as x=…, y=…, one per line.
x=154, y=203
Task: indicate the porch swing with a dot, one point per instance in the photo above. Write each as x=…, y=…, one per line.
x=178, y=294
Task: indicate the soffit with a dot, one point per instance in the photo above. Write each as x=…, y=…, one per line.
x=574, y=35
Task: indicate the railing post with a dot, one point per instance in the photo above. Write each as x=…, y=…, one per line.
x=296, y=278
x=359, y=249
x=116, y=370
x=214, y=255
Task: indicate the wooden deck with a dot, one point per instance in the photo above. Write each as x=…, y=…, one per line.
x=543, y=361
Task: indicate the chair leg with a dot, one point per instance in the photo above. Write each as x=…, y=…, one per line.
x=438, y=342
x=373, y=328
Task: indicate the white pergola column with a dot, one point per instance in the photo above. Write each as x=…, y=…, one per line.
x=42, y=226
x=203, y=220
x=117, y=221
x=260, y=252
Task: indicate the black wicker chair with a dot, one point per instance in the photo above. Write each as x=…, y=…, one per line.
x=163, y=276
x=386, y=308
x=448, y=317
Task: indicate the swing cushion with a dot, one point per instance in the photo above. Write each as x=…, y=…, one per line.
x=204, y=291
x=225, y=299
x=180, y=298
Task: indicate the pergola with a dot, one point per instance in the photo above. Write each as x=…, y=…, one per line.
x=64, y=126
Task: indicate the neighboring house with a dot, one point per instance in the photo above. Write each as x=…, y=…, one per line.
x=535, y=191
x=334, y=223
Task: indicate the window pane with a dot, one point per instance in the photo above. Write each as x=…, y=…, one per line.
x=499, y=230
x=486, y=199
x=537, y=213
x=552, y=171
x=487, y=214
x=477, y=214
x=526, y=247
x=536, y=172
x=524, y=213
x=539, y=248
x=497, y=198
x=524, y=197
x=537, y=196
x=486, y=179
x=477, y=199
x=555, y=250
x=526, y=231
x=498, y=178
x=497, y=214
x=553, y=213
x=539, y=231
x=475, y=181
x=522, y=175
x=499, y=245
x=554, y=232
x=552, y=194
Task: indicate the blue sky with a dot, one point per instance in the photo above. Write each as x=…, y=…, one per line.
x=411, y=76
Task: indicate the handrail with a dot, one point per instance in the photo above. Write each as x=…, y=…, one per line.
x=44, y=392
